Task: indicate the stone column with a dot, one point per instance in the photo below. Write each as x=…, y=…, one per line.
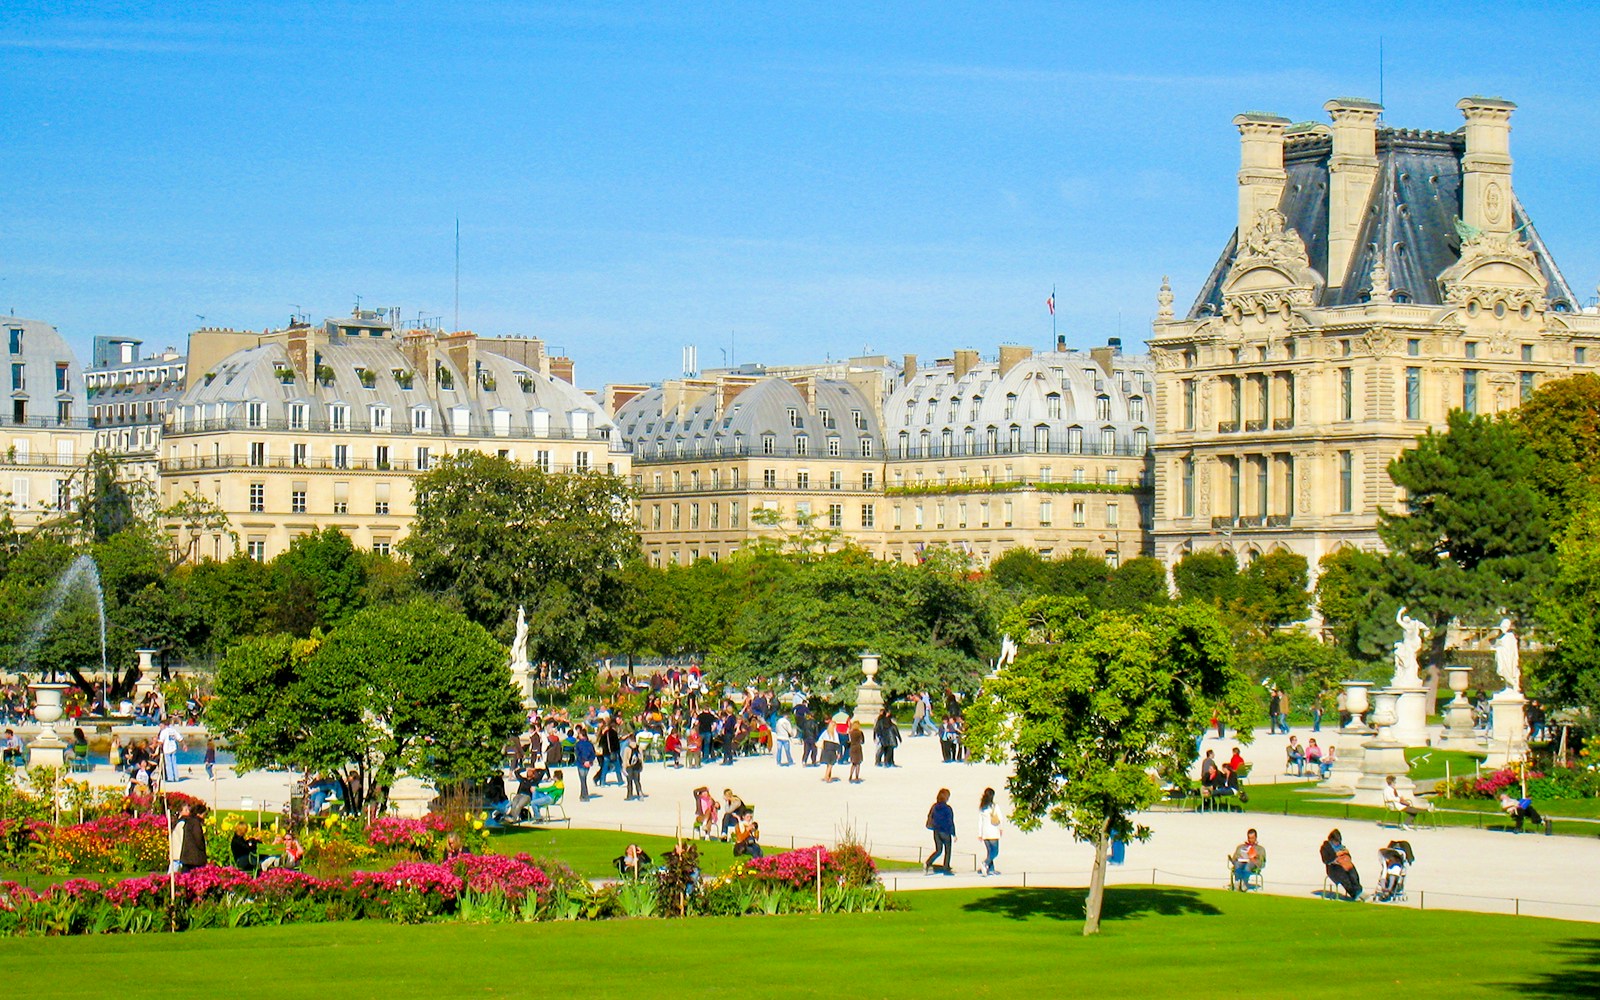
x=1346, y=769
x=1411, y=716
x=869, y=698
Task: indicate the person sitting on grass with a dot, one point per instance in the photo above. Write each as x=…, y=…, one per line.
x=1519, y=810
x=1407, y=807
x=632, y=862
x=1249, y=858
x=747, y=836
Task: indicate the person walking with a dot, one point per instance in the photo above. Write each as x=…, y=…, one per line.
x=858, y=751
x=887, y=735
x=192, y=852
x=809, y=727
x=1274, y=712
x=942, y=822
x=830, y=756
x=921, y=724
x=583, y=756
x=783, y=741
x=989, y=831
x=211, y=759
x=171, y=740
x=635, y=770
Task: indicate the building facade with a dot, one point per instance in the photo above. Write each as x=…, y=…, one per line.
x=1378, y=279
x=46, y=433
x=307, y=427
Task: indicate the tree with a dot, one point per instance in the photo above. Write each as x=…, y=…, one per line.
x=1138, y=583
x=1356, y=608
x=1569, y=672
x=1296, y=661
x=1209, y=577
x=1022, y=571
x=490, y=535
x=318, y=582
x=1475, y=540
x=1094, y=701
x=414, y=689
x=1561, y=425
x=1272, y=590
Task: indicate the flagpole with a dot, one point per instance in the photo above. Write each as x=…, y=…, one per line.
x=1053, y=340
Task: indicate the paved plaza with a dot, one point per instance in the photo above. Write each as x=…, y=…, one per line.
x=1456, y=868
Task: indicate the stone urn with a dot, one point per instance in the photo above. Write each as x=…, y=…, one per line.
x=47, y=749
x=1384, y=714
x=869, y=698
x=1356, y=703
x=1458, y=713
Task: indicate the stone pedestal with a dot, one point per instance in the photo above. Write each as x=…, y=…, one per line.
x=147, y=676
x=47, y=749
x=409, y=797
x=1508, y=732
x=1383, y=755
x=1348, y=756
x=1458, y=732
x=869, y=697
x=1411, y=717
x=1356, y=702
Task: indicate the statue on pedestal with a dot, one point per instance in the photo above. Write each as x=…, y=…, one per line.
x=1506, y=657
x=1406, y=672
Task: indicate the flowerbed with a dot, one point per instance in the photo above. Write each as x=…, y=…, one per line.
x=1558, y=782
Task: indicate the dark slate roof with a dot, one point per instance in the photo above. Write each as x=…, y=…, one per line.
x=1412, y=212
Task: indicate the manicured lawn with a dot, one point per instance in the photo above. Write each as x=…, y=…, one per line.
x=1429, y=764
x=1156, y=942
x=1309, y=799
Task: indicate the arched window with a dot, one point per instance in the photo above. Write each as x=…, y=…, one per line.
x=1102, y=407
x=905, y=444
x=1041, y=438
x=1016, y=439
x=1075, y=439
x=927, y=443
x=1141, y=441
x=970, y=441
x=1011, y=405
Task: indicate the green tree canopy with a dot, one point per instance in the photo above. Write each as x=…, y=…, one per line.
x=1093, y=704
x=1272, y=590
x=490, y=535
x=1208, y=577
x=1561, y=425
x=1569, y=672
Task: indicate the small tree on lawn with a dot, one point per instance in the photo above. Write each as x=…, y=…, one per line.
x=1096, y=702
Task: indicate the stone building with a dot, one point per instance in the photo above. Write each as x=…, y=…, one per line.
x=1378, y=279
x=308, y=427
x=1049, y=452
x=46, y=432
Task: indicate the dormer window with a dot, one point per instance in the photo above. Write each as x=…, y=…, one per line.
x=769, y=444
x=1136, y=408
x=1052, y=405
x=338, y=417
x=1011, y=405
x=255, y=415
x=794, y=417
x=297, y=416
x=379, y=417
x=1102, y=407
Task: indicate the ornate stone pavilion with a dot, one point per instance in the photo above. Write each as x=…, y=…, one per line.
x=1378, y=279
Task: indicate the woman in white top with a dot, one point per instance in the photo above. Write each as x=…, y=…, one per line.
x=989, y=830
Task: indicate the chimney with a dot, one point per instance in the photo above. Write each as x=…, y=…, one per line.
x=417, y=347
x=965, y=361
x=1105, y=356
x=298, y=344
x=1352, y=169
x=1061, y=343
x=1011, y=355
x=462, y=349
x=908, y=371
x=560, y=368
x=1486, y=165
x=1261, y=174
x=617, y=396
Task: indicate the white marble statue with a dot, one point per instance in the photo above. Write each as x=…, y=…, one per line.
x=1506, y=657
x=519, y=645
x=1008, y=651
x=1406, y=672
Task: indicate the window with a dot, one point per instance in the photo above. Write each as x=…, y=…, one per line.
x=869, y=516
x=835, y=515
x=1078, y=515
x=1108, y=441
x=1102, y=407
x=716, y=515
x=63, y=412
x=836, y=480
x=258, y=497
x=1414, y=347
x=694, y=515
x=297, y=501
x=1141, y=441
x=1111, y=477
x=1347, y=475
x=1413, y=393
x=338, y=417
x=1525, y=386
x=297, y=416
x=1006, y=511
x=255, y=415
x=769, y=479
x=19, y=377
x=1011, y=405
x=380, y=507
x=1469, y=390
x=381, y=548
x=16, y=340
x=341, y=456
x=833, y=447
x=802, y=480
x=800, y=445
x=580, y=461
x=1113, y=515
x=297, y=454
x=866, y=447
x=868, y=480
x=541, y=461
x=794, y=417
x=380, y=456
x=655, y=516
x=1580, y=355
x=1075, y=440
x=1046, y=513
x=1188, y=487
x=1347, y=394
x=258, y=453
x=1041, y=438
x=769, y=444
x=1136, y=408
x=421, y=419
x=1471, y=349
x=1188, y=404
x=1016, y=439
x=379, y=416
x=733, y=514
x=424, y=460
x=1235, y=471
x=1527, y=352
x=1053, y=405
x=256, y=548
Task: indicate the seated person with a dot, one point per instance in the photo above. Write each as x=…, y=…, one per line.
x=633, y=862
x=1328, y=761
x=1393, y=859
x=1236, y=761
x=1226, y=783
x=747, y=836
x=11, y=748
x=525, y=788
x=1296, y=756
x=547, y=795
x=692, y=748
x=244, y=849
x=1519, y=810
x=289, y=858
x=1394, y=799
x=1249, y=858
x=672, y=749
x=1313, y=754
x=1341, y=868
x=454, y=847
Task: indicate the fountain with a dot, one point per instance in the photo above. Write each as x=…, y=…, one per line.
x=47, y=748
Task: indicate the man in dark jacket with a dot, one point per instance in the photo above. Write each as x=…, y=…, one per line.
x=610, y=753
x=192, y=854
x=887, y=735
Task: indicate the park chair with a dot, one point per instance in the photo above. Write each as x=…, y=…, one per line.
x=1253, y=880
x=545, y=814
x=1393, y=816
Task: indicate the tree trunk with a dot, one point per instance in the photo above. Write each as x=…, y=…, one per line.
x=1097, y=881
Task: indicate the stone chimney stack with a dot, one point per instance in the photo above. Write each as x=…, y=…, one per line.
x=1352, y=169
x=1486, y=166
x=965, y=361
x=908, y=370
x=1261, y=173
x=1012, y=355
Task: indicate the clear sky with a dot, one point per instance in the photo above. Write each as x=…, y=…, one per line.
x=797, y=180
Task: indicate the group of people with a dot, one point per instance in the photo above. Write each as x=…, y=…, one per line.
x=1310, y=755
x=941, y=822
x=732, y=819
x=1249, y=860
x=1223, y=779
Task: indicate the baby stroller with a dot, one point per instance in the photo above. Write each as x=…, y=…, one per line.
x=1397, y=859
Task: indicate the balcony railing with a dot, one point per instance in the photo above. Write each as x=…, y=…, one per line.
x=319, y=424
x=1227, y=427
x=1283, y=423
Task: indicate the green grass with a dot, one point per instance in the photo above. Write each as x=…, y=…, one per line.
x=590, y=852
x=1156, y=942
x=1307, y=798
x=1429, y=764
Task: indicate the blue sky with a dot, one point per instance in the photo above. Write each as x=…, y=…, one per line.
x=799, y=180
